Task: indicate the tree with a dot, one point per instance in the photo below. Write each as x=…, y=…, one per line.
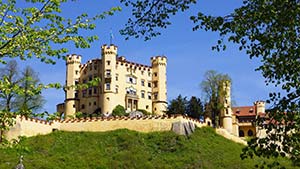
x=119, y=111
x=10, y=75
x=212, y=88
x=29, y=102
x=195, y=108
x=266, y=29
x=38, y=29
x=178, y=106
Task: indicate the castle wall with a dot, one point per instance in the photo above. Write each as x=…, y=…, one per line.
x=33, y=127
x=30, y=127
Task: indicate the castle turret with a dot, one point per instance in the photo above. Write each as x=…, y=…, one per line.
x=109, y=54
x=226, y=113
x=260, y=107
x=159, y=84
x=73, y=73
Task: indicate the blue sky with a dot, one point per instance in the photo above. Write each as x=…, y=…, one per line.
x=189, y=53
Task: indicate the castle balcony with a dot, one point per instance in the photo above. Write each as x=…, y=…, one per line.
x=132, y=96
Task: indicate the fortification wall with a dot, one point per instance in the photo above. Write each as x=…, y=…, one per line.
x=32, y=127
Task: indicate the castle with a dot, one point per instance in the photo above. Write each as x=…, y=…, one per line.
x=132, y=85
x=135, y=87
x=239, y=121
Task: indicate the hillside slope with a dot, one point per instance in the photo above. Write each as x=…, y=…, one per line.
x=127, y=149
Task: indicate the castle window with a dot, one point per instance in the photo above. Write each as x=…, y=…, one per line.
x=82, y=106
x=155, y=74
x=90, y=91
x=149, y=95
x=83, y=93
x=76, y=82
x=117, y=89
x=90, y=103
x=76, y=72
x=131, y=91
x=149, y=84
x=149, y=74
x=107, y=86
x=143, y=82
x=143, y=94
x=147, y=106
x=155, y=96
x=95, y=103
x=108, y=62
x=95, y=66
x=73, y=105
x=90, y=66
x=95, y=90
x=250, y=132
x=142, y=72
x=117, y=77
x=155, y=84
x=131, y=79
x=108, y=73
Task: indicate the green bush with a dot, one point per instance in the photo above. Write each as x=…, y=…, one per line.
x=119, y=111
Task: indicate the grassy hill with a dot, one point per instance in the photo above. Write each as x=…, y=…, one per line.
x=128, y=149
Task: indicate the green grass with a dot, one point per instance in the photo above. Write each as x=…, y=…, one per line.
x=128, y=149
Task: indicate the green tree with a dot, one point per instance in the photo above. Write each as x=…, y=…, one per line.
x=9, y=74
x=178, y=106
x=212, y=88
x=29, y=102
x=38, y=29
x=267, y=29
x=195, y=108
x=119, y=111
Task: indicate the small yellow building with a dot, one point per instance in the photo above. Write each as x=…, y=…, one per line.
x=132, y=85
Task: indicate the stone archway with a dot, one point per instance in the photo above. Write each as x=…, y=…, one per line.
x=241, y=133
x=250, y=132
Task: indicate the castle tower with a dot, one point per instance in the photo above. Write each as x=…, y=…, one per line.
x=159, y=84
x=260, y=107
x=226, y=113
x=73, y=73
x=109, y=55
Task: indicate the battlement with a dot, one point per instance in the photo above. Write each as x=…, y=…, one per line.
x=73, y=58
x=109, y=49
x=159, y=59
x=32, y=127
x=259, y=103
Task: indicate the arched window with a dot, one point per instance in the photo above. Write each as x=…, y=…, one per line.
x=241, y=133
x=250, y=132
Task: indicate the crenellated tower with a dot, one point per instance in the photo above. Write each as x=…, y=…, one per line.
x=159, y=84
x=109, y=55
x=72, y=77
x=226, y=112
x=260, y=107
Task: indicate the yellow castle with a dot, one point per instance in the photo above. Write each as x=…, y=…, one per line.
x=134, y=86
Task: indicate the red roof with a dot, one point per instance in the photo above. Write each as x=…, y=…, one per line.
x=244, y=111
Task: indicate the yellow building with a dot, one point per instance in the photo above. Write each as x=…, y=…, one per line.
x=132, y=85
x=239, y=121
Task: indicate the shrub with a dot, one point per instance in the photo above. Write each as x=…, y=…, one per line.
x=119, y=111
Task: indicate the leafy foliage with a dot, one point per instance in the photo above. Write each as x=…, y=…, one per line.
x=178, y=106
x=28, y=32
x=119, y=110
x=29, y=102
x=37, y=29
x=150, y=15
x=212, y=88
x=269, y=30
x=195, y=108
